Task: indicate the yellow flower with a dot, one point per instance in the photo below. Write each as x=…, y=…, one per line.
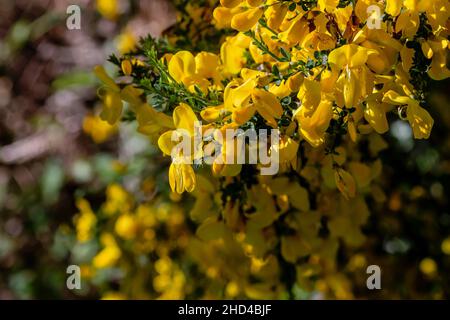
x=351, y=59
x=126, y=226
x=99, y=130
x=276, y=13
x=214, y=113
x=232, y=289
x=347, y=220
x=327, y=5
x=211, y=229
x=384, y=49
x=345, y=183
x=207, y=65
x=393, y=7
x=428, y=267
x=295, y=81
x=127, y=67
x=318, y=41
x=232, y=53
x=297, y=195
x=287, y=149
x=181, y=174
x=244, y=21
x=223, y=16
x=375, y=113
x=445, y=246
x=126, y=42
x=117, y=200
x=85, y=221
x=296, y=32
x=362, y=174
x=408, y=20
x=267, y=105
x=225, y=164
x=109, y=255
x=419, y=118
x=437, y=12
x=310, y=94
x=110, y=94
x=181, y=178
x=182, y=66
x=313, y=125
x=184, y=120
x=247, y=99
x=150, y=121
x=108, y=8
x=191, y=71
x=343, y=15
x=437, y=50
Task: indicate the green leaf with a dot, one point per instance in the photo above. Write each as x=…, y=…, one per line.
x=74, y=79
x=285, y=54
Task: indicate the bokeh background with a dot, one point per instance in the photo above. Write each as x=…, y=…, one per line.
x=50, y=156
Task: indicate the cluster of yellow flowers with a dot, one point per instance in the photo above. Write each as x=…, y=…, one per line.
x=328, y=81
x=136, y=239
x=145, y=242
x=147, y=250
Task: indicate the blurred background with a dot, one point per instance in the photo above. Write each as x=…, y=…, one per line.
x=48, y=106
x=50, y=155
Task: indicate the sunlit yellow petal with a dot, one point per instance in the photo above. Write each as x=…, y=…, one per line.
x=184, y=118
